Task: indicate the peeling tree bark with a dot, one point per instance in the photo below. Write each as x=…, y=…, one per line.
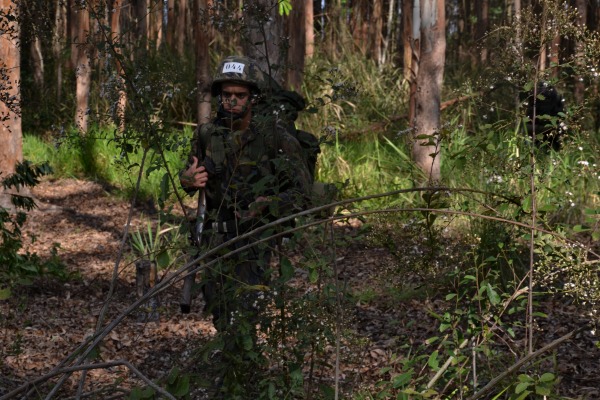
x=11, y=148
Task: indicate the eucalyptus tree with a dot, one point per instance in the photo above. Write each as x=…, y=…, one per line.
x=203, y=36
x=428, y=41
x=80, y=31
x=11, y=150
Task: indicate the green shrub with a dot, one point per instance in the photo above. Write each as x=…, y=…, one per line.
x=18, y=267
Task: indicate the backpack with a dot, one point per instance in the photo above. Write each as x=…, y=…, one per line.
x=287, y=104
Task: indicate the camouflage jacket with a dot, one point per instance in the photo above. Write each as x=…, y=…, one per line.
x=245, y=165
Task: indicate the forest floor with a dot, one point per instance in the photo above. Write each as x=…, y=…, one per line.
x=42, y=324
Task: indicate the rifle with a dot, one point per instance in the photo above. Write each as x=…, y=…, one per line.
x=188, y=283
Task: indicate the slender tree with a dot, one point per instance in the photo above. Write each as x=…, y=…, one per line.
x=554, y=55
x=390, y=31
x=431, y=45
x=203, y=80
x=11, y=148
x=579, y=90
x=297, y=52
x=482, y=10
x=180, y=26
x=309, y=28
x=33, y=17
x=83, y=67
x=59, y=35
x=375, y=31
x=115, y=28
x=142, y=23
x=407, y=40
x=360, y=24
x=170, y=24
x=156, y=27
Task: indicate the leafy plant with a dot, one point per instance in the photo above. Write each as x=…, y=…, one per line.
x=156, y=244
x=19, y=267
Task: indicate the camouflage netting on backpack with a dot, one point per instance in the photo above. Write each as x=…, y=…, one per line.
x=285, y=106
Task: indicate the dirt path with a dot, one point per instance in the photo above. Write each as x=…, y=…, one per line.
x=44, y=323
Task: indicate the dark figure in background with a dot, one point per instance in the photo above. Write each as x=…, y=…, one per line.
x=546, y=113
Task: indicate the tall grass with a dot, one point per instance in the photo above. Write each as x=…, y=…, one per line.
x=98, y=157
x=360, y=109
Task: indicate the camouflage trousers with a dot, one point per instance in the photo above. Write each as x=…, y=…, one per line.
x=233, y=286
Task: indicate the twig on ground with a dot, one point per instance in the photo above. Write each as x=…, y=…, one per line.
x=87, y=367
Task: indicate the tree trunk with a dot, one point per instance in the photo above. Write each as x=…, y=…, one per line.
x=142, y=27
x=389, y=36
x=155, y=22
x=482, y=9
x=309, y=28
x=170, y=24
x=375, y=31
x=11, y=148
x=407, y=40
x=297, y=51
x=264, y=37
x=83, y=68
x=180, y=28
x=432, y=45
x=202, y=29
x=554, y=57
x=115, y=27
x=37, y=61
x=359, y=25
x=58, y=37
x=579, y=90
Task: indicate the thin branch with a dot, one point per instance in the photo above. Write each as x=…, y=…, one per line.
x=516, y=366
x=70, y=370
x=446, y=365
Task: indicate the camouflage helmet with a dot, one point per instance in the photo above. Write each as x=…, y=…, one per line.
x=237, y=69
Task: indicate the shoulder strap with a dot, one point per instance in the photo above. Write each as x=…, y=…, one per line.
x=212, y=144
x=204, y=133
x=217, y=151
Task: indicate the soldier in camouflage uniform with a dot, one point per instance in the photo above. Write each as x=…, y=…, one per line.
x=252, y=171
